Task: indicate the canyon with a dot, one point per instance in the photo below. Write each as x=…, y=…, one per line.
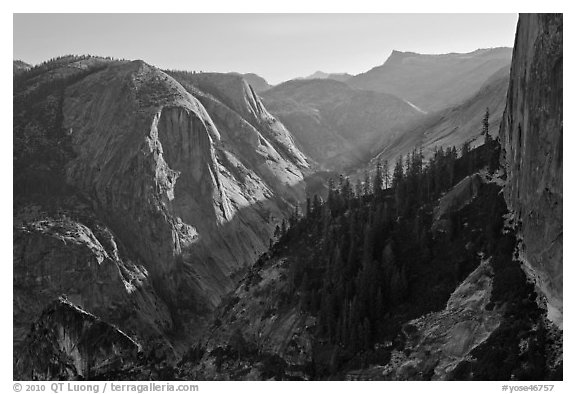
x=166, y=225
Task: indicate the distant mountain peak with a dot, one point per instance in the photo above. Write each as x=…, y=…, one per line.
x=396, y=54
x=433, y=82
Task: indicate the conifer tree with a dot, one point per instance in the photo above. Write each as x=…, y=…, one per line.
x=485, y=125
x=386, y=170
x=398, y=172
x=378, y=178
x=366, y=185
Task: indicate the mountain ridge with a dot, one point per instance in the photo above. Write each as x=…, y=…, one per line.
x=433, y=82
x=341, y=77
x=335, y=124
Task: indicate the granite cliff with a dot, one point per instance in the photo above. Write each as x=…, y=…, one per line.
x=139, y=198
x=531, y=138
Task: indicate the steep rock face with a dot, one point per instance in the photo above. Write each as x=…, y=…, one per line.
x=56, y=254
x=68, y=343
x=246, y=127
x=135, y=199
x=116, y=119
x=531, y=138
x=156, y=164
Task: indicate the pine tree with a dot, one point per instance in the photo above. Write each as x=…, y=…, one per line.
x=398, y=172
x=358, y=189
x=316, y=205
x=346, y=191
x=386, y=170
x=378, y=178
x=465, y=148
x=366, y=186
x=485, y=126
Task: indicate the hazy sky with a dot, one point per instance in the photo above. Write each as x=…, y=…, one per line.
x=276, y=46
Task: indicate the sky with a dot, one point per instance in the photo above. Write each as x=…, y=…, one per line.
x=278, y=47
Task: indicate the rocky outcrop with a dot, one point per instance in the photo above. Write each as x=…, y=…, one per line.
x=460, y=195
x=166, y=178
x=68, y=343
x=254, y=329
x=438, y=342
x=531, y=139
x=80, y=258
x=247, y=129
x=166, y=193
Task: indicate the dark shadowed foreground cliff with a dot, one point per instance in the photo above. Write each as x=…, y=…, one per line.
x=531, y=137
x=72, y=344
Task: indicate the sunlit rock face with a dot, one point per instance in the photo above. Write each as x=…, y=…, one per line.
x=531, y=138
x=194, y=201
x=437, y=342
x=162, y=195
